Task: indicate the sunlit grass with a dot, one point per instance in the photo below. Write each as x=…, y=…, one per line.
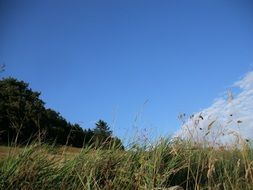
x=158, y=166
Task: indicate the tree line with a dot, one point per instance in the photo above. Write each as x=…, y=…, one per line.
x=24, y=119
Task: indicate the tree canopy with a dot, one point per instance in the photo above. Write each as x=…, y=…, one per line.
x=24, y=118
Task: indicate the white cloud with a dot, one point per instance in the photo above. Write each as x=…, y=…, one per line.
x=226, y=119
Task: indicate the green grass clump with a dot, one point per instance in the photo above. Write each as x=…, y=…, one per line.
x=158, y=166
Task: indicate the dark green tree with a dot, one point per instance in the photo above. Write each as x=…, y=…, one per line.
x=24, y=118
x=19, y=110
x=76, y=136
x=104, y=137
x=57, y=127
x=102, y=134
x=102, y=128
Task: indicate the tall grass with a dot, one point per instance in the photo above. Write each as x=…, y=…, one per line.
x=161, y=165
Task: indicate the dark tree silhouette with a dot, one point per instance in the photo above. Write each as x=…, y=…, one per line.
x=19, y=108
x=102, y=128
x=24, y=118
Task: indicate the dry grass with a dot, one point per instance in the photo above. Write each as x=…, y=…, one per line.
x=158, y=166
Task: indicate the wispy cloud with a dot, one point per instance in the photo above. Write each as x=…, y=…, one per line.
x=226, y=119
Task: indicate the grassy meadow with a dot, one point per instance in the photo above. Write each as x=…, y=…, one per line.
x=157, y=166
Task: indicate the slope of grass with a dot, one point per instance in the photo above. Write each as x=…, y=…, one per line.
x=162, y=165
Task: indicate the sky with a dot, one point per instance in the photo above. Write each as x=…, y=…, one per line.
x=135, y=64
x=228, y=121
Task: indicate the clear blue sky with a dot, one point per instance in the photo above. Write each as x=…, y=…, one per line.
x=105, y=59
